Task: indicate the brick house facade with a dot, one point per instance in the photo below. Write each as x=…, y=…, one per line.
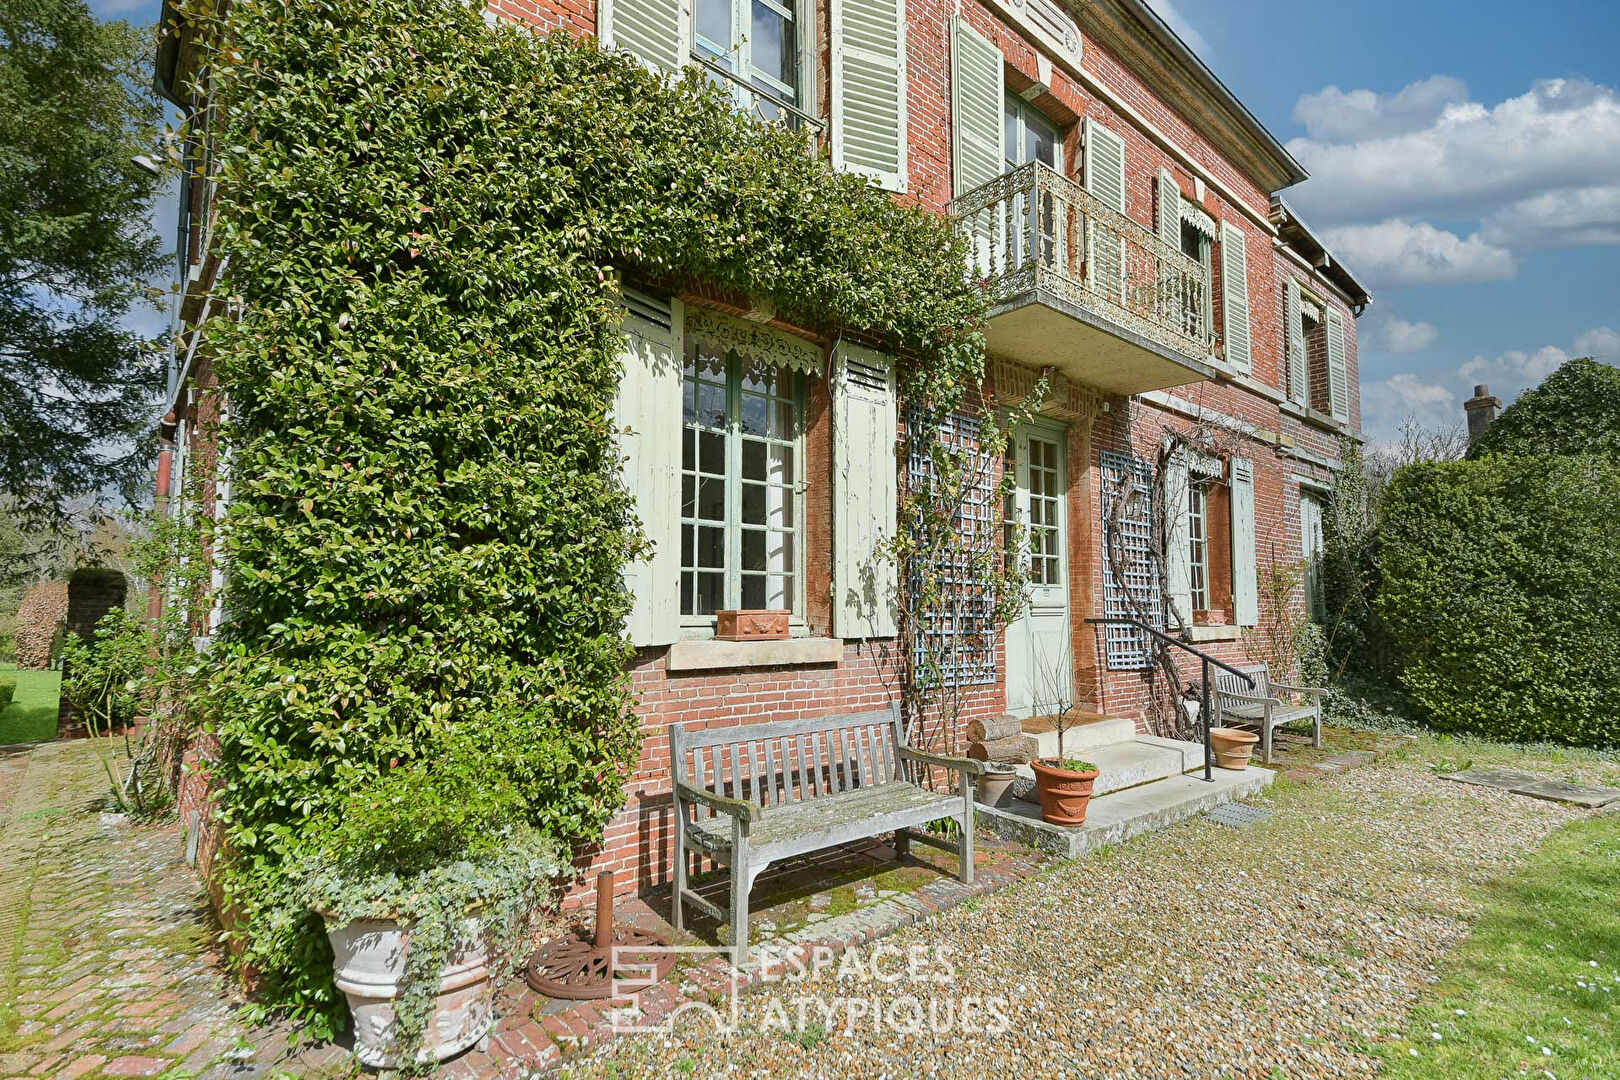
x=1140, y=256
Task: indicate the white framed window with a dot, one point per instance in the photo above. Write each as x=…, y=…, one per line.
x=1198, y=542
x=742, y=460
x=758, y=47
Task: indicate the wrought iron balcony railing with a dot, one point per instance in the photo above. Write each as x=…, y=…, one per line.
x=1035, y=230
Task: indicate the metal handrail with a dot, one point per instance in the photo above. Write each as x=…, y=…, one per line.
x=1203, y=712
x=799, y=118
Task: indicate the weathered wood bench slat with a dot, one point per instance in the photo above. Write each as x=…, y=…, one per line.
x=1263, y=706
x=752, y=795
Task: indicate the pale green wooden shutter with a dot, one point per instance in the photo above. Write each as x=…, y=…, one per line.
x=654, y=31
x=976, y=110
x=647, y=417
x=1103, y=159
x=868, y=42
x=1169, y=209
x=865, y=493
x=1235, y=297
x=1338, y=371
x=1299, y=389
x=1105, y=165
x=1178, y=541
x=1245, y=568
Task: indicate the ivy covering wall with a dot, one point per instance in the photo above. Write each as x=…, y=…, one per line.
x=425, y=220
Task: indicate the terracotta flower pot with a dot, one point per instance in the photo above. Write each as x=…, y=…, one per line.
x=995, y=788
x=752, y=625
x=1064, y=793
x=1232, y=746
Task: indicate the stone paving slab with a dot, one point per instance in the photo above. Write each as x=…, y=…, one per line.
x=1537, y=786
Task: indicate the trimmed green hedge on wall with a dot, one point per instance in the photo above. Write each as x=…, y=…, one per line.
x=1501, y=583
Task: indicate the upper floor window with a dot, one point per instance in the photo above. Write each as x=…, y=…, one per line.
x=756, y=42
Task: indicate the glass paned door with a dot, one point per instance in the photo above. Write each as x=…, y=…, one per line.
x=1031, y=137
x=1040, y=666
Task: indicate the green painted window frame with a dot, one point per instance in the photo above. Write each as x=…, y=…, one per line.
x=732, y=573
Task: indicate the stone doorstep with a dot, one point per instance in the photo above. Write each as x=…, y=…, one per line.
x=1140, y=759
x=1125, y=814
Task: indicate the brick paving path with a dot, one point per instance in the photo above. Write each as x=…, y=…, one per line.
x=106, y=968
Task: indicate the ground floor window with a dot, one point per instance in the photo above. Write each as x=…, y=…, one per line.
x=1198, y=538
x=741, y=462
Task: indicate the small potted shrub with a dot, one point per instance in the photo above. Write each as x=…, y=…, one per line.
x=1063, y=784
x=426, y=881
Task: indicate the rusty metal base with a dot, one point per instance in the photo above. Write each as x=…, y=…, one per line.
x=576, y=968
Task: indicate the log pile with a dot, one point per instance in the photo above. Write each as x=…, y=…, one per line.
x=1000, y=739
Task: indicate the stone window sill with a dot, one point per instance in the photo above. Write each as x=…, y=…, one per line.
x=1204, y=634
x=711, y=655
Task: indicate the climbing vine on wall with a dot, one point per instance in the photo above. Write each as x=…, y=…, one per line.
x=426, y=219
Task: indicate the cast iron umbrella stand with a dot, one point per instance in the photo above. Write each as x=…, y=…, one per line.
x=578, y=966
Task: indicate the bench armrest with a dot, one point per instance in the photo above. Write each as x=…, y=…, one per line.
x=738, y=808
x=959, y=764
x=1313, y=691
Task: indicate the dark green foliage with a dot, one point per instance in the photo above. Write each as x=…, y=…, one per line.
x=77, y=254
x=8, y=690
x=1501, y=584
x=1575, y=410
x=425, y=220
x=1356, y=642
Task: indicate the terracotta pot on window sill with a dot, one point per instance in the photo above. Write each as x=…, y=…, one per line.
x=1213, y=617
x=752, y=625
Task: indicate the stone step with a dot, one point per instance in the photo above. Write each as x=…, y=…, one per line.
x=1125, y=814
x=1083, y=737
x=1140, y=759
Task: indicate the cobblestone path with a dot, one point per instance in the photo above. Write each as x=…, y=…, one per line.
x=106, y=966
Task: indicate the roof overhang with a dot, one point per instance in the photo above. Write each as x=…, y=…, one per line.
x=1140, y=37
x=1294, y=232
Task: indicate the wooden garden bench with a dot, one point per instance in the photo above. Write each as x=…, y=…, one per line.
x=753, y=795
x=1265, y=707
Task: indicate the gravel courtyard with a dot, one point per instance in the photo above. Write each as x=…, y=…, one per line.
x=1281, y=950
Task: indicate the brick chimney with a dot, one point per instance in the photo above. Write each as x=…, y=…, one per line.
x=1482, y=409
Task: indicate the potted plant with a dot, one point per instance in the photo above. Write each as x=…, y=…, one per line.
x=1063, y=784
x=426, y=882
x=994, y=786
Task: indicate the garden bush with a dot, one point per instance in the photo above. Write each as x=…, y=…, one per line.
x=1501, y=584
x=8, y=690
x=1575, y=410
x=427, y=221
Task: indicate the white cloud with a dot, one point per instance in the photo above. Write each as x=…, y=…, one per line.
x=1385, y=404
x=1185, y=30
x=1398, y=253
x=1335, y=115
x=1469, y=160
x=1600, y=343
x=1580, y=217
x=1511, y=372
x=1404, y=336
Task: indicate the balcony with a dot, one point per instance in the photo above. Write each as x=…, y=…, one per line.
x=1078, y=287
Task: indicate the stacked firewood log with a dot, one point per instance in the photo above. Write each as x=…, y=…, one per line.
x=1000, y=739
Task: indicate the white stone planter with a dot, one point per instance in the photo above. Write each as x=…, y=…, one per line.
x=368, y=961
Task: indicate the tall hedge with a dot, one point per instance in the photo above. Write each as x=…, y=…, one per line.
x=1575, y=410
x=426, y=220
x=1501, y=583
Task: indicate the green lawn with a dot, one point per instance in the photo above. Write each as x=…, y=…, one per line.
x=1536, y=990
x=32, y=713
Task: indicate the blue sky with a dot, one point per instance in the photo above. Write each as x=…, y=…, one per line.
x=1465, y=162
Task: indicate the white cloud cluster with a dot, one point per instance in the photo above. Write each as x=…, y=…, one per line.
x=1386, y=403
x=1404, y=336
x=1512, y=371
x=1399, y=253
x=1185, y=30
x=1536, y=171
